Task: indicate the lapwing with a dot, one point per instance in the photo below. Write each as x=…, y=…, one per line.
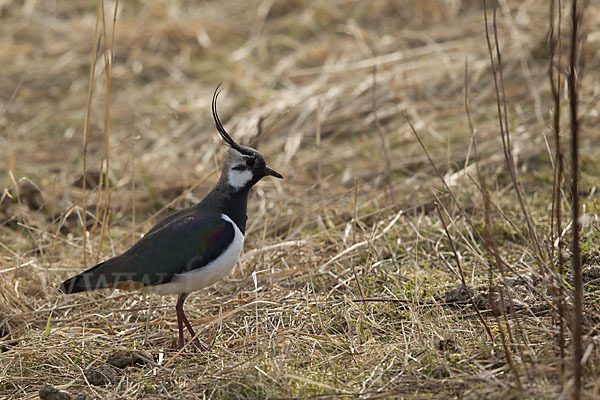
x=192, y=248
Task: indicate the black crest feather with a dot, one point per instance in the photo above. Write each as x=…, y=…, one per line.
x=218, y=123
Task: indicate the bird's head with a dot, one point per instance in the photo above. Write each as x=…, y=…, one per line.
x=244, y=166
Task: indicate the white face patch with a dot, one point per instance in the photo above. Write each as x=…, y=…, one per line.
x=238, y=179
x=236, y=153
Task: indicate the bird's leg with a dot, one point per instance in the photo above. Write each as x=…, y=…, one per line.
x=199, y=345
x=182, y=319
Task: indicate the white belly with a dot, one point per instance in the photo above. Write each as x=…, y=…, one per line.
x=208, y=275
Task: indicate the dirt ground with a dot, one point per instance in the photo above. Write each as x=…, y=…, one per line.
x=350, y=284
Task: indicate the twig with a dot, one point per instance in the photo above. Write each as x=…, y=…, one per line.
x=504, y=127
x=108, y=60
x=362, y=293
x=12, y=96
x=355, y=210
x=411, y=302
x=576, y=250
x=489, y=238
x=148, y=316
x=86, y=130
x=318, y=144
x=388, y=165
x=554, y=44
x=133, y=238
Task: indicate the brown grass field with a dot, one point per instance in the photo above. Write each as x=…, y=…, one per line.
x=350, y=281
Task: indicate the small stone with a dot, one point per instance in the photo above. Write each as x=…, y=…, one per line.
x=49, y=392
x=101, y=375
x=447, y=345
x=92, y=179
x=482, y=301
x=123, y=358
x=31, y=196
x=460, y=295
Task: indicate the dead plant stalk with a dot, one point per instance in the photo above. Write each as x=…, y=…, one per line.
x=502, y=106
x=573, y=78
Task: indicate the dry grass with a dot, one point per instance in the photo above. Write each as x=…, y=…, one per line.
x=357, y=302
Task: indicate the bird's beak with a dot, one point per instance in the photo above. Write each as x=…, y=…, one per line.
x=272, y=172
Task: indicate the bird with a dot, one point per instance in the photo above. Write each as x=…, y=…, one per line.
x=193, y=248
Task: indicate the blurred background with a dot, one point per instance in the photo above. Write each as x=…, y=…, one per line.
x=325, y=90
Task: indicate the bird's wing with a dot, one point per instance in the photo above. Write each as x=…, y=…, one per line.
x=170, y=218
x=184, y=244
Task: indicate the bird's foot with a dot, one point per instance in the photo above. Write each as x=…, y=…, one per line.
x=197, y=345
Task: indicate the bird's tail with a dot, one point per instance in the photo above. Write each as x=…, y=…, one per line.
x=85, y=281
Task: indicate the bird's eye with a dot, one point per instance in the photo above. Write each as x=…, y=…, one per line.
x=249, y=162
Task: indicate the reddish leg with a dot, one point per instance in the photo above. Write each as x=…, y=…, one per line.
x=180, y=324
x=182, y=319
